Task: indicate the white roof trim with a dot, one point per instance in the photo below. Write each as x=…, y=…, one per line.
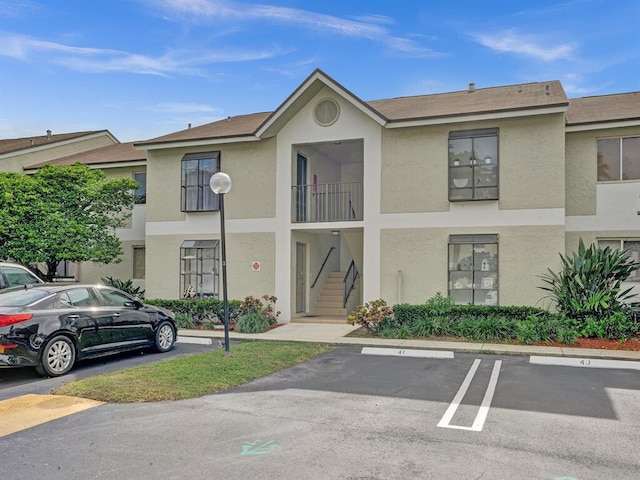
x=197, y=143
x=602, y=125
x=96, y=166
x=475, y=117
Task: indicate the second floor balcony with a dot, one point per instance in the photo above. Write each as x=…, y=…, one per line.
x=327, y=202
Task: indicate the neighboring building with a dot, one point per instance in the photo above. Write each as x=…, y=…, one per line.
x=473, y=194
x=120, y=159
x=16, y=153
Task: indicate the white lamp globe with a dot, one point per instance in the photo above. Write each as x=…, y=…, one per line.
x=220, y=183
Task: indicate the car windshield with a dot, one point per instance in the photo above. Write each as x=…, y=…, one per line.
x=20, y=298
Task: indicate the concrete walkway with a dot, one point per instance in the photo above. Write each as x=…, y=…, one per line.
x=336, y=334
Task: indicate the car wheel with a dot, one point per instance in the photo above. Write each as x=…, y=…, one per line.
x=58, y=357
x=165, y=337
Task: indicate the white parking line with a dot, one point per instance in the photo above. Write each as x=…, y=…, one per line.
x=400, y=352
x=481, y=417
x=194, y=340
x=585, y=362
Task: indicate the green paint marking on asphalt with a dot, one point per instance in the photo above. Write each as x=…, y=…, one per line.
x=565, y=478
x=258, y=447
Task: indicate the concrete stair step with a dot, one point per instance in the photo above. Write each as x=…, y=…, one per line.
x=331, y=294
x=322, y=301
x=329, y=304
x=331, y=311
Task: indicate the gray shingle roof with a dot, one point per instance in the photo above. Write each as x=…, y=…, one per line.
x=605, y=108
x=119, y=153
x=237, y=126
x=480, y=100
x=16, y=144
x=484, y=100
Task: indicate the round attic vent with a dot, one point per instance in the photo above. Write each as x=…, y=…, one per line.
x=326, y=112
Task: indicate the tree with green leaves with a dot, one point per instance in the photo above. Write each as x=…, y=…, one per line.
x=63, y=213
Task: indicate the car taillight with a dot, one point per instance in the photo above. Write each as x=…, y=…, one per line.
x=11, y=318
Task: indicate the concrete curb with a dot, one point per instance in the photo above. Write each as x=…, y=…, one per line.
x=335, y=334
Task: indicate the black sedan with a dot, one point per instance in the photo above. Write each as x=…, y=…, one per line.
x=51, y=326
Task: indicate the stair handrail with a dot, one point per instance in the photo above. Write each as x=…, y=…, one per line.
x=322, y=267
x=349, y=282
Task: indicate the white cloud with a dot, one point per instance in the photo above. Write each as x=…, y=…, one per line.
x=367, y=27
x=177, y=107
x=17, y=8
x=95, y=60
x=512, y=41
x=373, y=18
x=576, y=85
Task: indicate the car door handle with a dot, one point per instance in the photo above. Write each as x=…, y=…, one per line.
x=115, y=315
x=73, y=316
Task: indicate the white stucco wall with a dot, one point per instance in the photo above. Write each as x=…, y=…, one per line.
x=414, y=261
x=302, y=129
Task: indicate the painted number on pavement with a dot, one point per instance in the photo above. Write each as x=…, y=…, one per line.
x=258, y=447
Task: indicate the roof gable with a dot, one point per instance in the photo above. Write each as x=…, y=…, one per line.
x=304, y=93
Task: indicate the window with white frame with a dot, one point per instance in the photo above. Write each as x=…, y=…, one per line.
x=197, y=170
x=139, y=260
x=618, y=159
x=632, y=247
x=473, y=269
x=199, y=269
x=473, y=165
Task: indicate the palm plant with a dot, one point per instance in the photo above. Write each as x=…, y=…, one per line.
x=590, y=283
x=124, y=285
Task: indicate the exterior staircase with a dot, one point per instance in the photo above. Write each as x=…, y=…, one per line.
x=329, y=303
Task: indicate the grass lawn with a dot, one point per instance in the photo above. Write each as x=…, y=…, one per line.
x=193, y=375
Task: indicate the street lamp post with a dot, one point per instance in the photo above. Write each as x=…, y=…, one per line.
x=220, y=183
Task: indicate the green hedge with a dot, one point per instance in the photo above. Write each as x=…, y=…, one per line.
x=199, y=311
x=406, y=314
x=488, y=323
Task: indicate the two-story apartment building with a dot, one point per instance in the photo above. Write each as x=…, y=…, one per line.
x=472, y=194
x=336, y=201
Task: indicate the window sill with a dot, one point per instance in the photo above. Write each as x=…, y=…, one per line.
x=613, y=182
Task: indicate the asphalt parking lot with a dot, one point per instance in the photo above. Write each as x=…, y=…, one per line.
x=349, y=415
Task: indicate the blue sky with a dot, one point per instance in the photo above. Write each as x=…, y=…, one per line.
x=144, y=68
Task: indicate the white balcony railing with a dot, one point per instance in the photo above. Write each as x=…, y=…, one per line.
x=327, y=202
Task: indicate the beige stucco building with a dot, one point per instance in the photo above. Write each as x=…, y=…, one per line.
x=337, y=201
